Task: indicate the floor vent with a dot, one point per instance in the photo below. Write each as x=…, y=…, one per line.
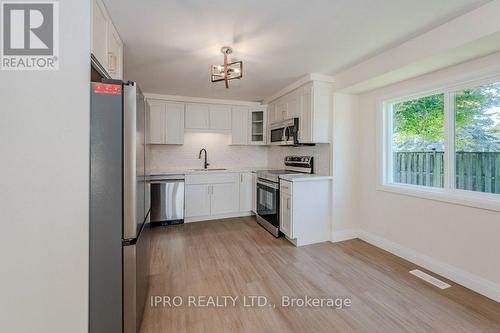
x=428, y=278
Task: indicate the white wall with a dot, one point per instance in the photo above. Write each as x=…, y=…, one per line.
x=458, y=239
x=44, y=148
x=221, y=154
x=345, y=165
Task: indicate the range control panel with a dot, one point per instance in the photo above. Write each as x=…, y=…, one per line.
x=304, y=162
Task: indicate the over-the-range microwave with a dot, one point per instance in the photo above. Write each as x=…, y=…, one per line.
x=285, y=133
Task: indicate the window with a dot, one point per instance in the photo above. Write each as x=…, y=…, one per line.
x=477, y=138
x=418, y=141
x=445, y=142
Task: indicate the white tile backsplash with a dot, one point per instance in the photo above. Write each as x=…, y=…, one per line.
x=320, y=152
x=221, y=154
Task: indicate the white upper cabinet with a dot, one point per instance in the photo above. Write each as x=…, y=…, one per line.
x=166, y=122
x=107, y=46
x=293, y=110
x=114, y=55
x=258, y=125
x=174, y=121
x=220, y=117
x=312, y=104
x=99, y=32
x=281, y=111
x=208, y=116
x=271, y=113
x=169, y=120
x=156, y=123
x=240, y=126
x=305, y=114
x=197, y=116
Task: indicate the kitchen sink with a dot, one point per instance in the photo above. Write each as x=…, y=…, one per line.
x=209, y=169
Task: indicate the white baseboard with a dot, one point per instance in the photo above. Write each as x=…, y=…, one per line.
x=476, y=283
x=216, y=217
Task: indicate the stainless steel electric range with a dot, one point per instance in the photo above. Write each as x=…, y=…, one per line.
x=268, y=190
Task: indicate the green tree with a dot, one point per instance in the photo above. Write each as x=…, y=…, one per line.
x=419, y=123
x=422, y=117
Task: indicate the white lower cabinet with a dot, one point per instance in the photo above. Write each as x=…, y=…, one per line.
x=213, y=195
x=305, y=210
x=224, y=200
x=246, y=191
x=286, y=212
x=254, y=193
x=197, y=198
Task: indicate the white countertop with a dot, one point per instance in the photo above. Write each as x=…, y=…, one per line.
x=304, y=177
x=190, y=171
x=289, y=177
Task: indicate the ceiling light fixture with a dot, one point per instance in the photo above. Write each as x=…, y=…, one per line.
x=227, y=71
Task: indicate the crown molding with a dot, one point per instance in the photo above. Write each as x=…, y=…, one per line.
x=300, y=82
x=187, y=99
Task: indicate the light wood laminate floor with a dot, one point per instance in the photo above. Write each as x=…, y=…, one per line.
x=237, y=257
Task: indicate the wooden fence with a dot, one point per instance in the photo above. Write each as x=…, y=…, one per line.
x=475, y=171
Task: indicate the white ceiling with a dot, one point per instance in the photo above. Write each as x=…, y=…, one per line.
x=169, y=45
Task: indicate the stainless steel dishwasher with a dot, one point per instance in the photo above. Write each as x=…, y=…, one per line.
x=167, y=199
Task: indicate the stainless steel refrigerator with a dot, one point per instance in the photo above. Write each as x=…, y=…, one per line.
x=119, y=207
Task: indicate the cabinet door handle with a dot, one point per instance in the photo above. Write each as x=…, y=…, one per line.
x=241, y=178
x=288, y=203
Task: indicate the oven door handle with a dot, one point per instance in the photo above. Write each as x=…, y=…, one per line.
x=268, y=184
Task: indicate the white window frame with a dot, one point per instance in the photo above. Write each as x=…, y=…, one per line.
x=449, y=193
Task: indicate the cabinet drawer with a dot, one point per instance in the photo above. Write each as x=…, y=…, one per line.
x=219, y=178
x=285, y=186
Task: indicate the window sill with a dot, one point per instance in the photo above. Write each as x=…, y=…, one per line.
x=480, y=200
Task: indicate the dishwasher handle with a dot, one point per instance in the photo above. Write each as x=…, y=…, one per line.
x=164, y=181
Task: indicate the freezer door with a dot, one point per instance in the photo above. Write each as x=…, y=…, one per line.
x=134, y=121
x=105, y=271
x=136, y=280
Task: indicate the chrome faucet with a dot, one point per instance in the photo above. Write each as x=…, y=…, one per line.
x=205, y=164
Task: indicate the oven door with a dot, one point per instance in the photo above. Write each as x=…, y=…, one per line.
x=268, y=201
